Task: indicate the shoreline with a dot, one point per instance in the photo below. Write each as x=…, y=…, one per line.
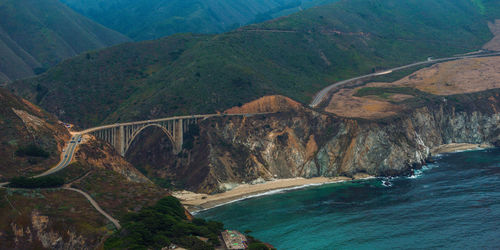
x=458, y=147
x=197, y=202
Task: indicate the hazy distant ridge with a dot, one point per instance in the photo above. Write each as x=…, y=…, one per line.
x=37, y=34
x=143, y=20
x=294, y=56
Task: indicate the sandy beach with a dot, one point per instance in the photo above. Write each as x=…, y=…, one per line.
x=457, y=147
x=196, y=202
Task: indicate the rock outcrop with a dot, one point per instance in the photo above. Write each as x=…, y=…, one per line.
x=304, y=143
x=102, y=156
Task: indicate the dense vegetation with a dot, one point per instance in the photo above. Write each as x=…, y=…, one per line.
x=42, y=182
x=143, y=20
x=163, y=224
x=35, y=35
x=293, y=56
x=32, y=150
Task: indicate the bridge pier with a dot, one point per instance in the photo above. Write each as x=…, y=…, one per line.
x=121, y=136
x=120, y=140
x=178, y=135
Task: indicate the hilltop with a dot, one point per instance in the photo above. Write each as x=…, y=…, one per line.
x=145, y=20
x=293, y=56
x=37, y=34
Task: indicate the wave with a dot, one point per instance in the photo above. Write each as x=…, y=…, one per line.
x=417, y=173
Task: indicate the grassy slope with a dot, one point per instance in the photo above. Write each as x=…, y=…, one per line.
x=68, y=214
x=15, y=134
x=152, y=19
x=95, y=84
x=200, y=74
x=37, y=34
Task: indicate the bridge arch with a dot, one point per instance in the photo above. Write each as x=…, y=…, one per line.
x=139, y=131
x=121, y=135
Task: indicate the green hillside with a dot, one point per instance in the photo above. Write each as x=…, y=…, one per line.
x=37, y=34
x=293, y=56
x=142, y=20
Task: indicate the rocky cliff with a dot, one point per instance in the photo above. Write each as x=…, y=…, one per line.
x=300, y=142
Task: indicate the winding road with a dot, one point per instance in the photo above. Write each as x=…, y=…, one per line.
x=97, y=207
x=320, y=96
x=66, y=158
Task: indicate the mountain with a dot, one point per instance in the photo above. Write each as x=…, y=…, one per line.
x=293, y=56
x=37, y=34
x=144, y=20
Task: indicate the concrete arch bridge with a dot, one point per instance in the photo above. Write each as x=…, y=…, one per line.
x=121, y=135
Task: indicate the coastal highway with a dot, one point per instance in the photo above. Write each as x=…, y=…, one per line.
x=320, y=96
x=66, y=157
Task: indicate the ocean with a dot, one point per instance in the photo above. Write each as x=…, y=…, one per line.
x=453, y=203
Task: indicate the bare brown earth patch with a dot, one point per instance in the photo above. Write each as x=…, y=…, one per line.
x=343, y=103
x=449, y=78
x=494, y=44
x=456, y=77
x=266, y=104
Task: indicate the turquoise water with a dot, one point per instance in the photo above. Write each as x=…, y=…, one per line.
x=453, y=204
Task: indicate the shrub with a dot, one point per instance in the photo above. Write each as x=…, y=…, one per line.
x=164, y=223
x=32, y=150
x=42, y=182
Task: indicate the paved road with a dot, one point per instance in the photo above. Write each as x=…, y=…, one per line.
x=320, y=96
x=90, y=130
x=66, y=158
x=97, y=207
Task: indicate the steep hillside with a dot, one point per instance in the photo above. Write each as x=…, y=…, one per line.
x=31, y=139
x=64, y=219
x=293, y=56
x=93, y=85
x=143, y=20
x=304, y=143
x=37, y=34
x=381, y=129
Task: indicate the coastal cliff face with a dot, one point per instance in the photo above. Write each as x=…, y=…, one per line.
x=299, y=142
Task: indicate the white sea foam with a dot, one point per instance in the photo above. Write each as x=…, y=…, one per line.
x=419, y=172
x=386, y=183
